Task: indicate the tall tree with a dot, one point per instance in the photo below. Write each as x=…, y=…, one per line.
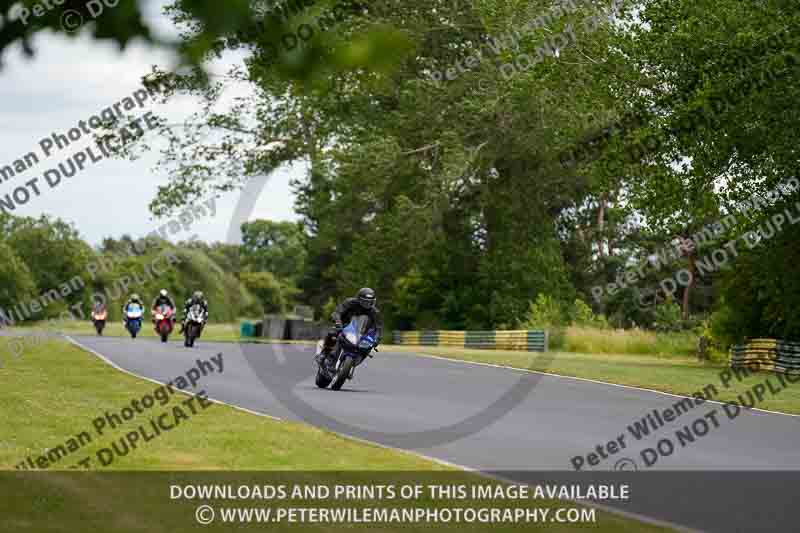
x=275, y=247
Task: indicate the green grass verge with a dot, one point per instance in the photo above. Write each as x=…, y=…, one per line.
x=55, y=390
x=666, y=367
x=212, y=332
x=628, y=341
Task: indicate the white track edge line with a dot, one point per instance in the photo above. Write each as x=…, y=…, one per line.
x=110, y=362
x=562, y=376
x=602, y=507
x=471, y=470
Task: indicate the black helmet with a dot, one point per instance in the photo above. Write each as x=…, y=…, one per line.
x=366, y=297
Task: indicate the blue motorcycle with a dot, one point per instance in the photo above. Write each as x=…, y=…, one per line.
x=133, y=319
x=355, y=343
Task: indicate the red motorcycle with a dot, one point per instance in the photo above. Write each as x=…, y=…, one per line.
x=164, y=321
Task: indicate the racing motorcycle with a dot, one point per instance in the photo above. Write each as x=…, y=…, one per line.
x=133, y=323
x=355, y=343
x=99, y=315
x=164, y=321
x=194, y=324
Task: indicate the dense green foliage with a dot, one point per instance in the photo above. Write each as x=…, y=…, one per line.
x=445, y=187
x=50, y=273
x=16, y=281
x=482, y=164
x=267, y=289
x=276, y=247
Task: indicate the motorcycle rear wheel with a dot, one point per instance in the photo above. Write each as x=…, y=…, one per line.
x=322, y=379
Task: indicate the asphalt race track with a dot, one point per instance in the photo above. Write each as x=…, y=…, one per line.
x=497, y=419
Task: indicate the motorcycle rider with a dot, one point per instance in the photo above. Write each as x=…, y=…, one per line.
x=197, y=298
x=362, y=304
x=98, y=306
x=162, y=299
x=134, y=299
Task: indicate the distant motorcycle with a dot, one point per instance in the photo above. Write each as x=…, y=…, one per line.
x=164, y=321
x=194, y=325
x=99, y=320
x=355, y=343
x=133, y=323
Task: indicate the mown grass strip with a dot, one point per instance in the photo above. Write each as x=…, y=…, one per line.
x=55, y=390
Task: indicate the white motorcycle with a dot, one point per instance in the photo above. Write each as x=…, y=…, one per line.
x=194, y=325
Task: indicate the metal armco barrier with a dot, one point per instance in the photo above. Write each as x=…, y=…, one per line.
x=304, y=330
x=275, y=328
x=282, y=329
x=767, y=354
x=525, y=340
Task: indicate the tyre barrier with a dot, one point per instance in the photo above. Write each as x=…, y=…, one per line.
x=767, y=354
x=524, y=340
x=247, y=329
x=304, y=330
x=278, y=328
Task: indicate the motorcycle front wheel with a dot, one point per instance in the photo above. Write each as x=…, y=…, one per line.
x=342, y=374
x=191, y=335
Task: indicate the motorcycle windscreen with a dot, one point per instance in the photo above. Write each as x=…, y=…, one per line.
x=359, y=331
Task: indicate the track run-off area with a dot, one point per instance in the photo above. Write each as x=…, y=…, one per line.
x=701, y=465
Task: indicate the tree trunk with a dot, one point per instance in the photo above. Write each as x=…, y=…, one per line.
x=601, y=215
x=687, y=291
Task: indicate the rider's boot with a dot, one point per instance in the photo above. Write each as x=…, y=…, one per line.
x=322, y=352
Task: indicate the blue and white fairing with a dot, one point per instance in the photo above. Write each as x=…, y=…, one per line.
x=134, y=311
x=359, y=338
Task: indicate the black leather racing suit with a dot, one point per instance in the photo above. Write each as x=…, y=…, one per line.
x=188, y=305
x=344, y=313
